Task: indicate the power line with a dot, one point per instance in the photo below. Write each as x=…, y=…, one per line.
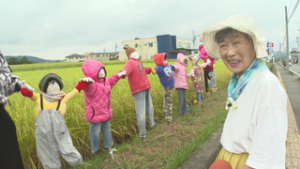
x=290, y=17
x=294, y=9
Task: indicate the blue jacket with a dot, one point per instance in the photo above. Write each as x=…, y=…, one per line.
x=165, y=75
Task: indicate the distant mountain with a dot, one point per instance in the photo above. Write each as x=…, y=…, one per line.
x=33, y=59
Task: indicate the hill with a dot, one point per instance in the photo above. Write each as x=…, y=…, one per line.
x=32, y=59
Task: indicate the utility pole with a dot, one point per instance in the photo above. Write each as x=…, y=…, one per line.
x=287, y=39
x=279, y=51
x=297, y=41
x=194, y=39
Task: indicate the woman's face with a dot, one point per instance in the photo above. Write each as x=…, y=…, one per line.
x=237, y=53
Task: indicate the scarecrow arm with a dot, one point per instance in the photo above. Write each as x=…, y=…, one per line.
x=115, y=78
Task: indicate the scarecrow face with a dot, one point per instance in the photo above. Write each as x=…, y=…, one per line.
x=237, y=52
x=135, y=55
x=53, y=86
x=101, y=73
x=166, y=60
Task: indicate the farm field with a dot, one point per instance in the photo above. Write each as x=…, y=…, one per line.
x=123, y=124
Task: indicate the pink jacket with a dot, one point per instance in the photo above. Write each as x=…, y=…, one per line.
x=203, y=55
x=97, y=95
x=180, y=75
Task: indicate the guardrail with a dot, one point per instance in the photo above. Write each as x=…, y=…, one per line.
x=291, y=71
x=295, y=73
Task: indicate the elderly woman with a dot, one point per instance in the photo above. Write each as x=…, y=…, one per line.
x=10, y=156
x=255, y=129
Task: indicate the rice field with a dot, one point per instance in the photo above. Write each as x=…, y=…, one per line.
x=123, y=124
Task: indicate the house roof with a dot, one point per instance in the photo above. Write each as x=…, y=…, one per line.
x=182, y=50
x=73, y=55
x=89, y=53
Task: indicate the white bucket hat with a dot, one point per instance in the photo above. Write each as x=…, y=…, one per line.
x=240, y=23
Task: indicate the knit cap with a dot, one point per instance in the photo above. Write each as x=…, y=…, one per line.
x=193, y=59
x=129, y=51
x=50, y=76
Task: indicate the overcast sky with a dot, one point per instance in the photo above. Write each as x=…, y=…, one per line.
x=53, y=29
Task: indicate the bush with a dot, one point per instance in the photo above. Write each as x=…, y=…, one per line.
x=283, y=62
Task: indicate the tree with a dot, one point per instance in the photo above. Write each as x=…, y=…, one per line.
x=13, y=61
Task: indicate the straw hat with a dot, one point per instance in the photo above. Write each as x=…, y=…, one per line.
x=240, y=23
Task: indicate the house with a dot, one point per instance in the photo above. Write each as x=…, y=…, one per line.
x=90, y=55
x=147, y=47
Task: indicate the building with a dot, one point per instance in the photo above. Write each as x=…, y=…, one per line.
x=74, y=58
x=91, y=55
x=147, y=47
x=295, y=55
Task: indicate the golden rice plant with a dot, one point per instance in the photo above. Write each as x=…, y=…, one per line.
x=123, y=124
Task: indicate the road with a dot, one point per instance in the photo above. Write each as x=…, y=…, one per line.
x=295, y=68
x=292, y=85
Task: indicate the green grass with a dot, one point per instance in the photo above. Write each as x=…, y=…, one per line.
x=123, y=124
x=171, y=147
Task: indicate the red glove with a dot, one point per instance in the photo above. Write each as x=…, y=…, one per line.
x=82, y=85
x=25, y=92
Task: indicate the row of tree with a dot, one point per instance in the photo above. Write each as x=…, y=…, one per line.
x=16, y=61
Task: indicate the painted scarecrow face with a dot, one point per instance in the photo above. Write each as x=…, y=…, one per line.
x=101, y=73
x=53, y=86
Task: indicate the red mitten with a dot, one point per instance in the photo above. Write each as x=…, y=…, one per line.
x=25, y=92
x=82, y=85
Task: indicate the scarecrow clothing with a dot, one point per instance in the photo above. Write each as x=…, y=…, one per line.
x=209, y=68
x=206, y=77
x=203, y=55
x=98, y=94
x=50, y=105
x=259, y=124
x=52, y=135
x=164, y=70
x=165, y=75
x=106, y=135
x=137, y=75
x=98, y=103
x=197, y=80
x=199, y=96
x=10, y=156
x=213, y=80
x=181, y=82
x=182, y=101
x=180, y=75
x=168, y=103
x=143, y=103
x=140, y=89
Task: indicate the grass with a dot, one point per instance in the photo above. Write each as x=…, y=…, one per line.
x=168, y=145
x=123, y=124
